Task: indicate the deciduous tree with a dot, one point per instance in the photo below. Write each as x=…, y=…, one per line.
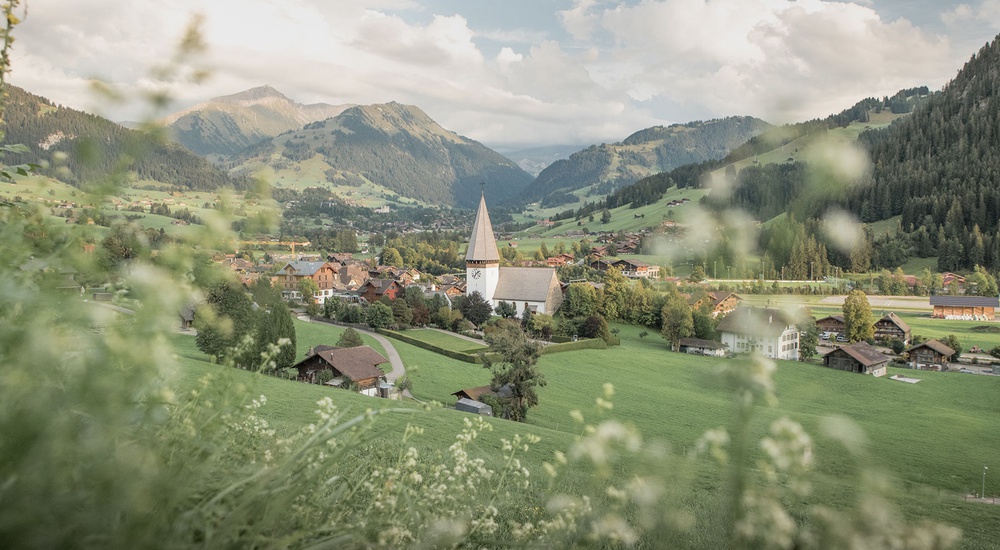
x=512, y=361
x=858, y=322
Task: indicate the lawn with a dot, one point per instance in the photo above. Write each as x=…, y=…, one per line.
x=444, y=340
x=933, y=437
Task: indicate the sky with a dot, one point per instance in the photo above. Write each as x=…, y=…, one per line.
x=513, y=73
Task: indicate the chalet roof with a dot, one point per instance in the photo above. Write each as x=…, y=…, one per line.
x=631, y=263
x=838, y=318
x=965, y=301
x=520, y=284
x=479, y=391
x=357, y=363
x=701, y=343
x=755, y=322
x=304, y=269
x=864, y=353
x=482, y=243
x=381, y=285
x=935, y=345
x=894, y=319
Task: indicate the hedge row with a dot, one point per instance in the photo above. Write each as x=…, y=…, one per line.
x=585, y=343
x=459, y=355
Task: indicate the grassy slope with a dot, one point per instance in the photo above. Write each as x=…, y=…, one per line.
x=934, y=436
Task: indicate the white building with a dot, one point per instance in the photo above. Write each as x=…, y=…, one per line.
x=770, y=332
x=533, y=288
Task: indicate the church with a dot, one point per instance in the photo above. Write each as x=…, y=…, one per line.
x=534, y=288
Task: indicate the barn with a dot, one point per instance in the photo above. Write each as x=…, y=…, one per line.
x=970, y=308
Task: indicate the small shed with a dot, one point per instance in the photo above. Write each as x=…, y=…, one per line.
x=474, y=407
x=860, y=357
x=698, y=346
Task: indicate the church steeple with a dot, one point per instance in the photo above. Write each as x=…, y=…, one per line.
x=482, y=261
x=482, y=242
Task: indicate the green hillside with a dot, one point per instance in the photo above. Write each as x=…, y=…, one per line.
x=604, y=168
x=83, y=149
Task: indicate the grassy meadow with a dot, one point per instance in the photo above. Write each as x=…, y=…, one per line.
x=932, y=437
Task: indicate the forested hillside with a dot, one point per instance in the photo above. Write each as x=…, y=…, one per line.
x=80, y=148
x=401, y=148
x=650, y=151
x=939, y=169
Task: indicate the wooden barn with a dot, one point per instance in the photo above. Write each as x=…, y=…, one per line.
x=861, y=358
x=971, y=308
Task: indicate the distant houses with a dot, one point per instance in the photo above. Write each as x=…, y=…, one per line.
x=930, y=355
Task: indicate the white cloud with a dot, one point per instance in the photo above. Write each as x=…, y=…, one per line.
x=597, y=71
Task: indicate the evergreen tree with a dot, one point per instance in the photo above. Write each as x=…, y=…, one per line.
x=274, y=325
x=350, y=338
x=512, y=360
x=226, y=318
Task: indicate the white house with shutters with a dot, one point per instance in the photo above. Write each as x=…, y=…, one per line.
x=768, y=331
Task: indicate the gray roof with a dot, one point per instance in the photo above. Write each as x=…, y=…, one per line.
x=965, y=301
x=525, y=284
x=482, y=243
x=471, y=405
x=755, y=322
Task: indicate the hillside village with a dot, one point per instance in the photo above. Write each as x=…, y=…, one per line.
x=305, y=326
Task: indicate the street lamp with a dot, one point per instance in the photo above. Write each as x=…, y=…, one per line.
x=983, y=494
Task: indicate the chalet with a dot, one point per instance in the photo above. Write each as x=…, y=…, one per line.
x=356, y=366
x=479, y=391
x=634, y=269
x=832, y=323
x=930, y=355
x=600, y=265
x=977, y=308
x=861, y=358
x=374, y=289
x=187, y=317
x=719, y=302
x=339, y=257
x=892, y=327
x=771, y=332
x=697, y=346
x=948, y=278
x=352, y=275
x=323, y=273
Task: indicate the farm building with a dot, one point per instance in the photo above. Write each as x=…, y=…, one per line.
x=861, y=358
x=930, y=355
x=345, y=366
x=697, y=346
x=771, y=332
x=719, y=302
x=972, y=308
x=891, y=326
x=473, y=406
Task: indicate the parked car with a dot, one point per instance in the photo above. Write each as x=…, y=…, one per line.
x=841, y=338
x=967, y=371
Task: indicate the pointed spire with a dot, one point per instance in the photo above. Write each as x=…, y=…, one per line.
x=482, y=243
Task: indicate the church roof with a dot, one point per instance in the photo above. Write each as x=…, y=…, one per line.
x=524, y=284
x=482, y=243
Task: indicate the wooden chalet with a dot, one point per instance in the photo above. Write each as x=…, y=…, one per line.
x=357, y=365
x=861, y=358
x=832, y=323
x=323, y=273
x=634, y=269
x=719, y=302
x=374, y=289
x=600, y=265
x=479, y=391
x=930, y=355
x=972, y=308
x=892, y=327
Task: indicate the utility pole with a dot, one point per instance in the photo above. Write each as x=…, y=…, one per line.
x=983, y=494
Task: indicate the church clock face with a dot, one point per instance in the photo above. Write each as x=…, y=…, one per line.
x=476, y=273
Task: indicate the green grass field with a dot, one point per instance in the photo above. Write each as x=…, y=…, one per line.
x=933, y=437
x=444, y=340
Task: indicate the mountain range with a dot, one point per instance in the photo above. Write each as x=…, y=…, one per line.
x=229, y=124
